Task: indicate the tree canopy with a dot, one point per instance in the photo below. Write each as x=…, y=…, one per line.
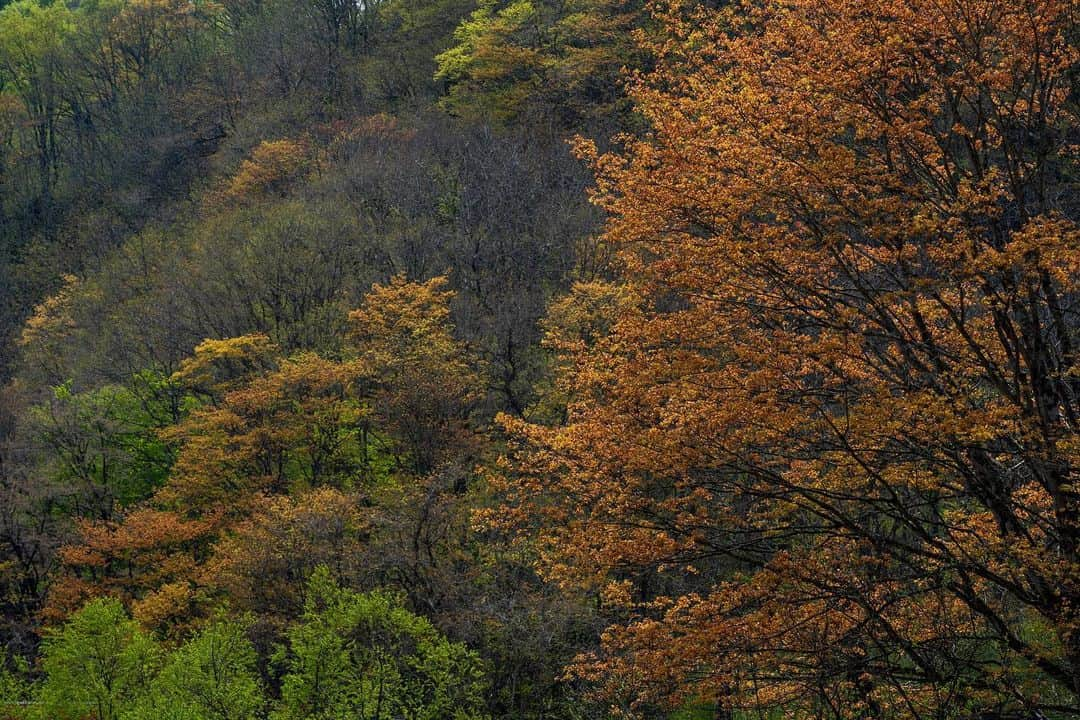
x=539, y=360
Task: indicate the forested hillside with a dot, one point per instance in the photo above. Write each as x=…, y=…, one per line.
x=508, y=359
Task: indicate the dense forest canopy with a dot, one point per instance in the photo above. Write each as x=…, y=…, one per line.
x=528, y=359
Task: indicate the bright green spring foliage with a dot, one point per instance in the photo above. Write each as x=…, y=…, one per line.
x=101, y=665
x=212, y=677
x=98, y=665
x=364, y=656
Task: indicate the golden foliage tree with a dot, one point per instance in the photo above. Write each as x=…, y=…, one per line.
x=514, y=59
x=829, y=462
x=273, y=166
x=292, y=428
x=424, y=382
x=218, y=366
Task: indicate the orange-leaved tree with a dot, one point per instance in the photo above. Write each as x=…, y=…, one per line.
x=827, y=463
x=424, y=382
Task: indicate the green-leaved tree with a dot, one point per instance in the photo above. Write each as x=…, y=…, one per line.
x=365, y=656
x=211, y=677
x=99, y=665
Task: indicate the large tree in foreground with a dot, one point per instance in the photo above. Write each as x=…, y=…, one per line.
x=829, y=462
